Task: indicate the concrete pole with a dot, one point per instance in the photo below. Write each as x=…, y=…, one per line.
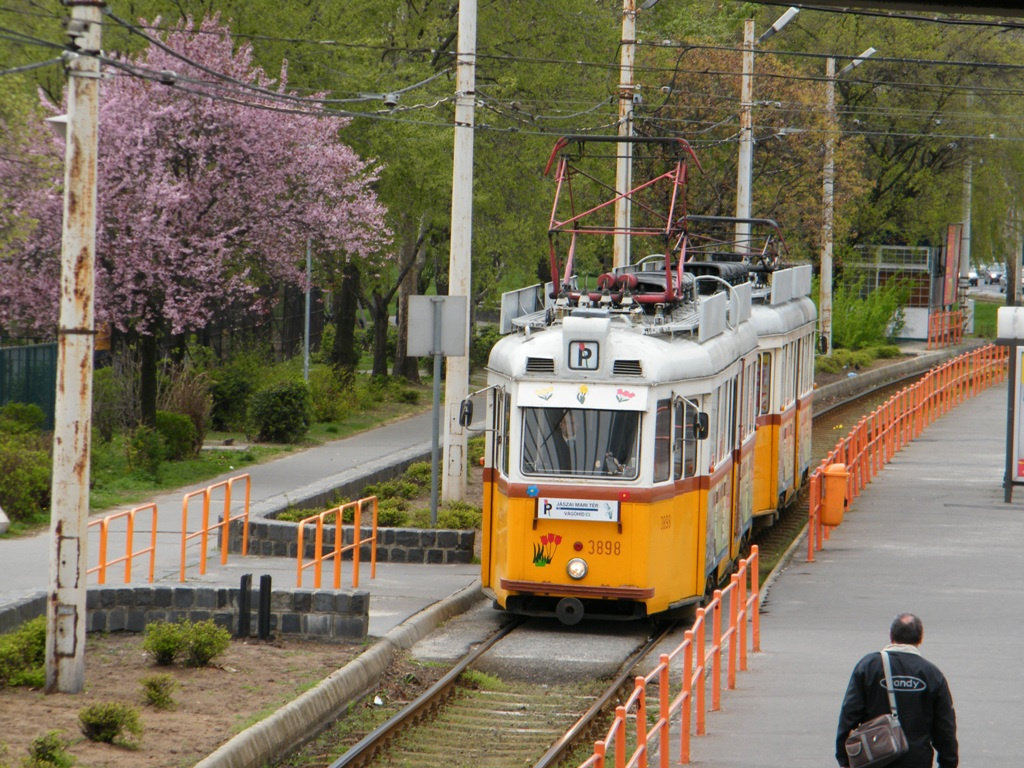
x=965, y=235
x=624, y=162
x=744, y=169
x=65, y=608
x=460, y=281
x=828, y=213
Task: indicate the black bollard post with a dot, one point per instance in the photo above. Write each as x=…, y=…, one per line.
x=244, y=607
x=263, y=619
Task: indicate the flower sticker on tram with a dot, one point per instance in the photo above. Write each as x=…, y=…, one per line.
x=623, y=395
x=544, y=552
x=582, y=394
x=546, y=393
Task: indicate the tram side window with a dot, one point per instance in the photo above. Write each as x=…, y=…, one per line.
x=806, y=365
x=727, y=434
x=749, y=407
x=662, y=441
x=684, y=441
x=713, y=426
x=789, y=363
x=764, y=384
x=505, y=432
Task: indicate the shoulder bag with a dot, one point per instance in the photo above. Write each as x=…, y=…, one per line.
x=879, y=741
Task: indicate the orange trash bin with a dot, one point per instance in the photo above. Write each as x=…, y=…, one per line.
x=835, y=499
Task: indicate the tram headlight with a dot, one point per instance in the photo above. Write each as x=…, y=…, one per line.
x=577, y=568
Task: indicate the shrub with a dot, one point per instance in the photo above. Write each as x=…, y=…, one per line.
x=158, y=691
x=391, y=513
x=109, y=722
x=49, y=751
x=23, y=655
x=860, y=319
x=420, y=473
x=399, y=488
x=231, y=386
x=106, y=399
x=484, y=337
x=178, y=433
x=144, y=451
x=457, y=515
x=844, y=360
x=204, y=641
x=282, y=413
x=25, y=466
x=331, y=393
x=188, y=393
x=887, y=351
x=475, y=448
x=28, y=416
x=165, y=641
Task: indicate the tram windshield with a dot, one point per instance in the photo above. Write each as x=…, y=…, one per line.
x=580, y=442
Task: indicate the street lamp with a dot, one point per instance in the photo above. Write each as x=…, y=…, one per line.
x=828, y=202
x=745, y=168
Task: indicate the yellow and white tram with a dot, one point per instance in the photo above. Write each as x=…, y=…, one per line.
x=635, y=433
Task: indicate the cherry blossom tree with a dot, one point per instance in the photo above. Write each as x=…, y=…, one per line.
x=208, y=190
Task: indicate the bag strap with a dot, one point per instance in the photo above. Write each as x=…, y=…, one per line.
x=888, y=684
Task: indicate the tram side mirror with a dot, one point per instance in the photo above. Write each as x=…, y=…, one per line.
x=466, y=413
x=701, y=431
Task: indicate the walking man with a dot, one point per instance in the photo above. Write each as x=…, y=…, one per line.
x=923, y=700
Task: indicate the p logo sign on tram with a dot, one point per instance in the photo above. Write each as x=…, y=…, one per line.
x=584, y=355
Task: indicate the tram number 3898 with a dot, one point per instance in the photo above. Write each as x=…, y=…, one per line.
x=606, y=547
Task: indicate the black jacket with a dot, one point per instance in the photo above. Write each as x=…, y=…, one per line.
x=923, y=702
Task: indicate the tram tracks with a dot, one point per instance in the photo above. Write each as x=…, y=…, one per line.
x=469, y=720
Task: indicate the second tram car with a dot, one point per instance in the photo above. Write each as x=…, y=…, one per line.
x=637, y=433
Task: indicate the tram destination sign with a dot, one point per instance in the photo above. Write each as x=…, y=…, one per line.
x=601, y=511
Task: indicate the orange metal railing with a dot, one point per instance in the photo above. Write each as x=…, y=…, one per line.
x=695, y=655
x=876, y=438
x=339, y=549
x=224, y=523
x=129, y=553
x=945, y=328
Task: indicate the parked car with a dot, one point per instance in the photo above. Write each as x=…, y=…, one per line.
x=995, y=273
x=1002, y=283
x=972, y=276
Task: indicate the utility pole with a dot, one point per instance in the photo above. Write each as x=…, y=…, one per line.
x=828, y=199
x=828, y=214
x=460, y=281
x=624, y=160
x=745, y=166
x=65, y=607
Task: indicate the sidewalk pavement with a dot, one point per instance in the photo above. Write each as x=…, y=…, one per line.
x=932, y=535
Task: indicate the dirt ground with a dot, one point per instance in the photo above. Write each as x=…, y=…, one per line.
x=246, y=684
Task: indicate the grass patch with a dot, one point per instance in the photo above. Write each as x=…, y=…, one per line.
x=985, y=318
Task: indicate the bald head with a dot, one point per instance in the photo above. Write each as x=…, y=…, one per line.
x=906, y=629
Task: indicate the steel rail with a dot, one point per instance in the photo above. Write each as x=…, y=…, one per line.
x=367, y=747
x=583, y=726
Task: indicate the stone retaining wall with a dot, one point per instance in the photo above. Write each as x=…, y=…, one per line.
x=310, y=614
x=269, y=537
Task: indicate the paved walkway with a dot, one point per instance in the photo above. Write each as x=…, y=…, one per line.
x=398, y=592
x=931, y=535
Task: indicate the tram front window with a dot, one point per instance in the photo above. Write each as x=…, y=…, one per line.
x=580, y=442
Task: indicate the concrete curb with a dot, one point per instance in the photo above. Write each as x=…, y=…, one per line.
x=300, y=720
x=348, y=482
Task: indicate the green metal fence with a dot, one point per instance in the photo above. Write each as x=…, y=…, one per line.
x=29, y=375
